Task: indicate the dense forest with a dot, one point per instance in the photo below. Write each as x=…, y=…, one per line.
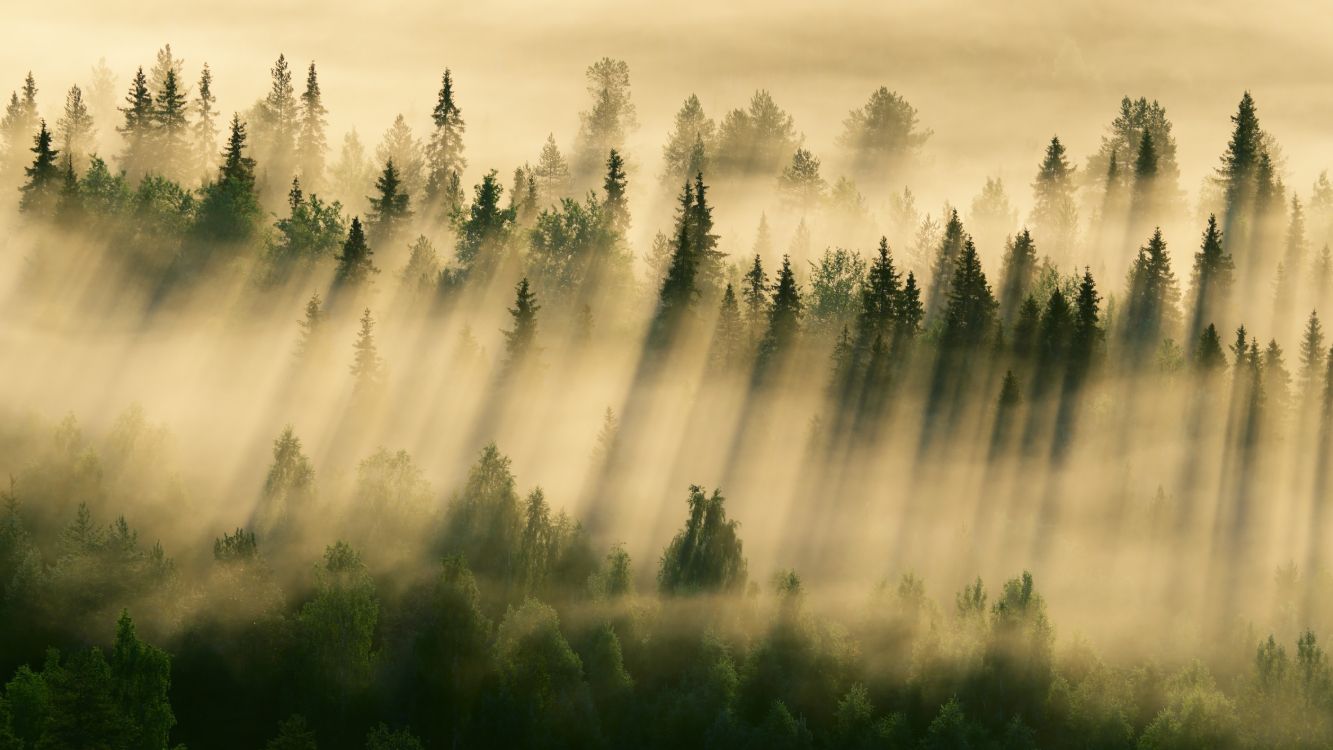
x=317, y=443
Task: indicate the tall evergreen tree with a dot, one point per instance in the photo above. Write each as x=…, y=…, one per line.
x=784, y=317
x=1020, y=267
x=1208, y=356
x=520, y=340
x=354, y=263
x=615, y=205
x=1151, y=311
x=205, y=122
x=444, y=151
x=43, y=176
x=970, y=316
x=312, y=145
x=389, y=208
x=230, y=209
x=909, y=311
x=942, y=269
x=703, y=243
x=367, y=367
x=1054, y=213
x=138, y=127
x=276, y=136
x=754, y=293
x=729, y=340
x=484, y=233
x=551, y=172
x=170, y=129
x=1312, y=355
x=75, y=128
x=312, y=328
x=1212, y=277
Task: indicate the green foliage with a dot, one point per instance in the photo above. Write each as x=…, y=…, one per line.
x=705, y=556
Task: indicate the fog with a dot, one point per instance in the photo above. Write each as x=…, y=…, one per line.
x=1067, y=402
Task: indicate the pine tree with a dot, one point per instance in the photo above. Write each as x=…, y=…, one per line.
x=756, y=141
x=312, y=327
x=552, y=172
x=729, y=340
x=1055, y=334
x=19, y=122
x=784, y=316
x=1145, y=176
x=882, y=137
x=1208, y=356
x=170, y=129
x=703, y=243
x=444, y=151
x=1240, y=347
x=484, y=233
x=401, y=147
x=75, y=128
x=880, y=295
x=278, y=122
x=1312, y=353
x=1151, y=307
x=389, y=208
x=1241, y=161
x=1087, y=323
x=354, y=263
x=970, y=318
x=138, y=127
x=754, y=292
x=909, y=312
x=800, y=182
x=1276, y=376
x=205, y=122
x=679, y=287
x=312, y=143
x=367, y=367
x=230, y=209
x=1020, y=267
x=942, y=269
x=1212, y=276
x=615, y=206
x=39, y=191
x=1054, y=213
x=520, y=340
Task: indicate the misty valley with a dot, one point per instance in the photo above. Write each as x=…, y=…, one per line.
x=328, y=439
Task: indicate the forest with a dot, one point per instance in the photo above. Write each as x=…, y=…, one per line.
x=315, y=440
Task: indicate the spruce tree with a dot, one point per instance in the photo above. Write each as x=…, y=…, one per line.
x=444, y=150
x=1023, y=337
x=784, y=316
x=170, y=128
x=754, y=292
x=1020, y=267
x=909, y=312
x=354, y=262
x=551, y=172
x=1240, y=347
x=703, y=243
x=1054, y=213
x=312, y=327
x=75, y=128
x=942, y=269
x=1241, y=161
x=205, y=122
x=970, y=318
x=230, y=209
x=615, y=206
x=389, y=207
x=520, y=340
x=879, y=297
x=484, y=232
x=1087, y=323
x=1151, y=308
x=680, y=286
x=1145, y=177
x=1208, y=356
x=278, y=122
x=1312, y=354
x=729, y=335
x=1212, y=276
x=312, y=145
x=43, y=176
x=367, y=367
x=138, y=127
